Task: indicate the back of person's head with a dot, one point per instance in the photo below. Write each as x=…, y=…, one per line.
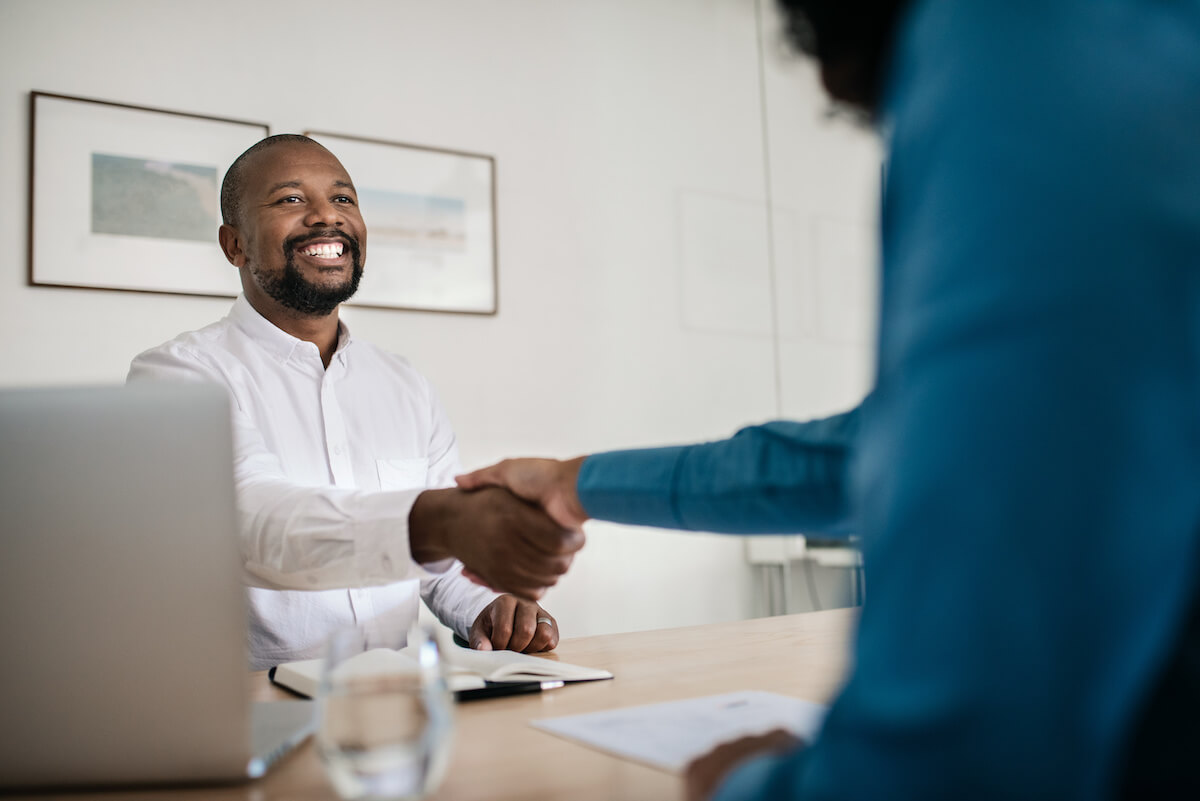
x=850, y=39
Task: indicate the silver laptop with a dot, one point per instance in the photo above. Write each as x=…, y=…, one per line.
x=122, y=616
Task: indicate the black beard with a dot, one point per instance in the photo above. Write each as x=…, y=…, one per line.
x=295, y=292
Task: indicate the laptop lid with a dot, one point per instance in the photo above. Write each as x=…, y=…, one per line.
x=122, y=614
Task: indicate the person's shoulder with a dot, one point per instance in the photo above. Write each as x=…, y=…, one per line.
x=204, y=352
x=190, y=344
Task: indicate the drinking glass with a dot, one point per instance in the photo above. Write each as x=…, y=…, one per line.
x=385, y=717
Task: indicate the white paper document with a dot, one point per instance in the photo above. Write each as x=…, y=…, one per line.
x=672, y=734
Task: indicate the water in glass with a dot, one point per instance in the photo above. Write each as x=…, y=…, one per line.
x=385, y=717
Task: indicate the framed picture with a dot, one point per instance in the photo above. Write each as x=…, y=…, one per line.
x=126, y=197
x=431, y=224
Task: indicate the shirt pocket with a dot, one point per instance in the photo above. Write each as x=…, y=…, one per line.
x=402, y=474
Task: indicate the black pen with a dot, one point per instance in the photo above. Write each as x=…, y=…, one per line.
x=501, y=689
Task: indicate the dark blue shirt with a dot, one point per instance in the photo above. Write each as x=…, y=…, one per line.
x=1026, y=474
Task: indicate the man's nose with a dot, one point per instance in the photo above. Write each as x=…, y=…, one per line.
x=323, y=212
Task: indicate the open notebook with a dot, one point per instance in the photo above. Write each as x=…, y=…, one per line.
x=466, y=669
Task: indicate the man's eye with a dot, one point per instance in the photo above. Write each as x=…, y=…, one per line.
x=290, y=199
x=344, y=199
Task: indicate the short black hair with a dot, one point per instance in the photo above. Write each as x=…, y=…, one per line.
x=231, y=187
x=851, y=39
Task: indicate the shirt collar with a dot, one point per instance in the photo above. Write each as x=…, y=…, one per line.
x=275, y=340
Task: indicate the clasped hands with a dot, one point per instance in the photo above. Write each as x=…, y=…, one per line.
x=509, y=528
x=504, y=542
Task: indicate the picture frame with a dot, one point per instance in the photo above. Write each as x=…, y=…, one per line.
x=430, y=215
x=127, y=197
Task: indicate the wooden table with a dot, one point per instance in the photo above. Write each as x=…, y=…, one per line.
x=497, y=755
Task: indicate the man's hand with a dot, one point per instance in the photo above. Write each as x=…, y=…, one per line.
x=502, y=541
x=704, y=773
x=514, y=624
x=549, y=483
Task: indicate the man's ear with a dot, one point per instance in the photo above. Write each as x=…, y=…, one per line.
x=231, y=244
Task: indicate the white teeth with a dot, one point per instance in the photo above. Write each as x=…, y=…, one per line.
x=326, y=250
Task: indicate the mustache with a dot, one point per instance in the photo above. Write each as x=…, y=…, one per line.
x=332, y=233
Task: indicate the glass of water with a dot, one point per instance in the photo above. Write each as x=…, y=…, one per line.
x=385, y=716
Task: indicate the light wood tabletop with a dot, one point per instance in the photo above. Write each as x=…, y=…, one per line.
x=498, y=756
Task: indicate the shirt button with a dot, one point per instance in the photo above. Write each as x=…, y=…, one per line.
x=337, y=449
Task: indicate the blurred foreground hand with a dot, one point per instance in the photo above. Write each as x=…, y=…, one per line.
x=705, y=773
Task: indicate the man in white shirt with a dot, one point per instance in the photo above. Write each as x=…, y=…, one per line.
x=338, y=444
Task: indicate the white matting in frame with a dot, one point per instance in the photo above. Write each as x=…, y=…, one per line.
x=431, y=224
x=127, y=197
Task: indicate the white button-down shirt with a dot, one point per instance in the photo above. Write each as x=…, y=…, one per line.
x=328, y=462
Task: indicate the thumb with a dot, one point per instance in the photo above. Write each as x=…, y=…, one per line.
x=481, y=633
x=484, y=477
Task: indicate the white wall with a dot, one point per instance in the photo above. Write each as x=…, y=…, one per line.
x=642, y=299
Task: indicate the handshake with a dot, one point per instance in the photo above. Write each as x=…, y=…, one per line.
x=515, y=526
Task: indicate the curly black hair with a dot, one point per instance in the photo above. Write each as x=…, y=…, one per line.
x=850, y=39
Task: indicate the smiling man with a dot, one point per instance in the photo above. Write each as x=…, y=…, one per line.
x=298, y=264
x=344, y=459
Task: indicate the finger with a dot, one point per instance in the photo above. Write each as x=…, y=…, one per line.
x=536, y=570
x=523, y=568
x=501, y=615
x=552, y=539
x=521, y=580
x=518, y=582
x=524, y=626
x=483, y=477
x=530, y=589
x=481, y=631
x=518, y=570
x=704, y=774
x=545, y=637
x=573, y=540
x=529, y=593
x=521, y=525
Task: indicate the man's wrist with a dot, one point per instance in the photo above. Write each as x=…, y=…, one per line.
x=570, y=488
x=427, y=532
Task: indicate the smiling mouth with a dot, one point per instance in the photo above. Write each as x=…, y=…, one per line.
x=323, y=250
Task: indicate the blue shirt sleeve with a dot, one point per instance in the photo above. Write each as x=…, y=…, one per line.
x=780, y=478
